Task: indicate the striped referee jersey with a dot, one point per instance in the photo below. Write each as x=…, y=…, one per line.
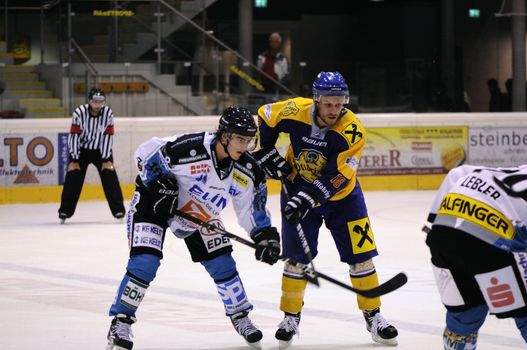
x=91, y=132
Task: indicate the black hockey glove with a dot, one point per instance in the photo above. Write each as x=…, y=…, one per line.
x=297, y=207
x=165, y=192
x=272, y=163
x=267, y=245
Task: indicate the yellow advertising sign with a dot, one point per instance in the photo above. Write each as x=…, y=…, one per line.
x=413, y=150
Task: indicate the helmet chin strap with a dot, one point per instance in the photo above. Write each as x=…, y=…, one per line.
x=225, y=145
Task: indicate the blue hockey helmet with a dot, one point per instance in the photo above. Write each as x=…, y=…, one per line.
x=330, y=84
x=238, y=120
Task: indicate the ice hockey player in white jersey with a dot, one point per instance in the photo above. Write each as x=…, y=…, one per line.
x=197, y=174
x=478, y=243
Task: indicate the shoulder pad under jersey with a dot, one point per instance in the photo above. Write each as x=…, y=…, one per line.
x=248, y=166
x=350, y=128
x=187, y=148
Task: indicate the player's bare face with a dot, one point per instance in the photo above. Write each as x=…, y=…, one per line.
x=239, y=144
x=329, y=108
x=235, y=146
x=95, y=106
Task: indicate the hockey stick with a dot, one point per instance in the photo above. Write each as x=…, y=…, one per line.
x=389, y=286
x=303, y=240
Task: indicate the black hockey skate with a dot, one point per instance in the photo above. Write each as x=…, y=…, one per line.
x=119, y=216
x=120, y=333
x=381, y=331
x=287, y=329
x=247, y=329
x=63, y=217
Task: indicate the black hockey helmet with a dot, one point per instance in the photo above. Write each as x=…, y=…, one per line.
x=237, y=120
x=96, y=94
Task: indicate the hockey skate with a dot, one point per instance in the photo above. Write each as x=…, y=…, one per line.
x=120, y=217
x=63, y=217
x=120, y=333
x=247, y=329
x=381, y=331
x=287, y=329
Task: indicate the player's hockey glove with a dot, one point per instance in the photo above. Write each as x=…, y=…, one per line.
x=272, y=163
x=297, y=207
x=267, y=245
x=164, y=192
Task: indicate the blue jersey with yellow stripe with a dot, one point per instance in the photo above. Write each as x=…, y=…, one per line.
x=324, y=160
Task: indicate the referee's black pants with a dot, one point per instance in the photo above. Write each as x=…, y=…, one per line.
x=75, y=179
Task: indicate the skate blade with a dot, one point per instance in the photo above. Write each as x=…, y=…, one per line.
x=284, y=344
x=62, y=221
x=377, y=339
x=256, y=345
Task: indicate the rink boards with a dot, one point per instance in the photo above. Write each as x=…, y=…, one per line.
x=403, y=151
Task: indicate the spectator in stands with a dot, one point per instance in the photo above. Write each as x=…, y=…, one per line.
x=496, y=97
x=507, y=97
x=274, y=63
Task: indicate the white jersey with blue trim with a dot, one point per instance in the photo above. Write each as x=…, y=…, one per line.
x=205, y=184
x=488, y=203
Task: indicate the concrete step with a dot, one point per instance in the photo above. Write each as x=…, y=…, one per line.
x=7, y=58
x=45, y=112
x=30, y=93
x=19, y=76
x=39, y=102
x=25, y=85
x=16, y=68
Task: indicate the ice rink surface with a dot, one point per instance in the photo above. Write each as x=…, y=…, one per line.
x=58, y=281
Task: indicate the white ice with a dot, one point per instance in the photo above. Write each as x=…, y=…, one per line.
x=58, y=281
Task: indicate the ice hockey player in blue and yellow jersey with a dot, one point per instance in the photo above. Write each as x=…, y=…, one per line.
x=320, y=175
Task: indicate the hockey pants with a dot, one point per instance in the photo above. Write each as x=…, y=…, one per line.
x=112, y=190
x=71, y=191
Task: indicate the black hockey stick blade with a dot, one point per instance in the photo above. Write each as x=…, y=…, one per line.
x=389, y=286
x=392, y=284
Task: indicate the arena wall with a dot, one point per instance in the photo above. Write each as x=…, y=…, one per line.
x=403, y=151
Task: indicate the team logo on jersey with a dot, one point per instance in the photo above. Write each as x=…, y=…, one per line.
x=239, y=179
x=199, y=168
x=205, y=231
x=521, y=260
x=213, y=200
x=309, y=164
x=478, y=213
x=290, y=108
x=352, y=162
x=196, y=210
x=267, y=111
x=353, y=133
x=361, y=236
x=501, y=290
x=338, y=180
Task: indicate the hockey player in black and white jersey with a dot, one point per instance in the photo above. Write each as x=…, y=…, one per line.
x=478, y=243
x=197, y=174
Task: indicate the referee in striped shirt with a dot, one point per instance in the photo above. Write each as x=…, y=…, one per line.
x=90, y=142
